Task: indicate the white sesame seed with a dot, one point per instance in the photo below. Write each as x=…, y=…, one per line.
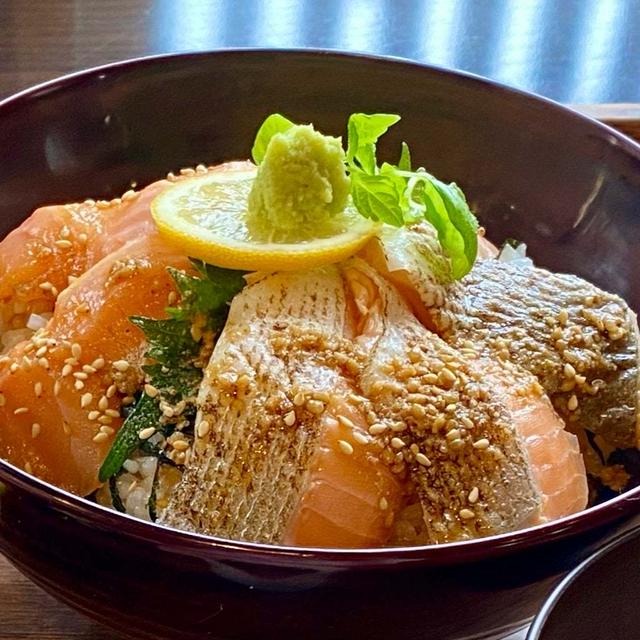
x=172, y=297
x=203, y=428
x=66, y=370
x=563, y=316
x=483, y=443
x=423, y=460
x=45, y=286
x=80, y=375
x=150, y=390
x=345, y=447
x=103, y=403
x=360, y=438
x=35, y=430
x=85, y=400
x=299, y=399
x=127, y=400
x=78, y=385
x=101, y=436
x=383, y=504
x=131, y=466
x=41, y=351
x=397, y=443
x=145, y=434
x=66, y=428
x=346, y=422
x=44, y=363
x=474, y=494
x=315, y=406
x=290, y=418
x=98, y=363
x=180, y=445
x=106, y=429
x=28, y=468
x=20, y=410
x=93, y=415
x=56, y=387
x=114, y=413
x=14, y=367
x=76, y=350
x=37, y=389
x=569, y=371
x=82, y=238
x=377, y=428
x=111, y=391
x=572, y=404
x=105, y=419
x=63, y=244
x=87, y=368
x=466, y=514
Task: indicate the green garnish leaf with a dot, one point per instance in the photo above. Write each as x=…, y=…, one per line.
x=275, y=123
x=378, y=197
x=404, y=164
x=363, y=133
x=169, y=340
x=146, y=413
x=399, y=196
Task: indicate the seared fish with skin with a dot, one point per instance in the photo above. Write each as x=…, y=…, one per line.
x=310, y=433
x=579, y=341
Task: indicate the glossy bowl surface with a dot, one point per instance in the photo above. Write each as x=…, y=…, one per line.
x=533, y=170
x=598, y=600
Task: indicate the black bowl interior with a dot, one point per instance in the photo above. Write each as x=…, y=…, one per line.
x=599, y=600
x=533, y=171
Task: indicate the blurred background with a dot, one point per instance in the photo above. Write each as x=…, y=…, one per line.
x=576, y=51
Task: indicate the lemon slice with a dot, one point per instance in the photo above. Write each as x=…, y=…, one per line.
x=206, y=217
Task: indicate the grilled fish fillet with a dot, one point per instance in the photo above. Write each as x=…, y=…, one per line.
x=326, y=404
x=579, y=341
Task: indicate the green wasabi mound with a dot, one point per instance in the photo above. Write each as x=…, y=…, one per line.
x=301, y=182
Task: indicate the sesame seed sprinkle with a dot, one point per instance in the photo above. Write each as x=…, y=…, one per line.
x=111, y=391
x=572, y=404
x=377, y=428
x=203, y=428
x=346, y=422
x=150, y=390
x=78, y=385
x=56, y=387
x=35, y=430
x=103, y=403
x=383, y=504
x=397, y=443
x=145, y=434
x=101, y=436
x=114, y=413
x=466, y=514
x=474, y=494
x=423, y=460
x=290, y=418
x=345, y=447
x=98, y=363
x=80, y=375
x=20, y=410
x=76, y=350
x=37, y=389
x=483, y=443
x=93, y=415
x=85, y=400
x=180, y=445
x=360, y=438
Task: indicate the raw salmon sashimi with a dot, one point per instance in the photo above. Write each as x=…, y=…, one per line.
x=62, y=390
x=60, y=242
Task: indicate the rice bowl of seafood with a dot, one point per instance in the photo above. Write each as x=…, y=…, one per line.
x=311, y=359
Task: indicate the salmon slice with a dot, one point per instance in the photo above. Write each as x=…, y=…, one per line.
x=483, y=447
x=59, y=242
x=62, y=390
x=285, y=456
x=579, y=341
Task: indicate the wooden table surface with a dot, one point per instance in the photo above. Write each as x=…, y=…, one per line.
x=45, y=38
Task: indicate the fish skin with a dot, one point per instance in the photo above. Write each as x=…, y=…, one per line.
x=514, y=310
x=252, y=477
x=505, y=307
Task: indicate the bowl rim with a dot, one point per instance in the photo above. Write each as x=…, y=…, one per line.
x=436, y=555
x=537, y=627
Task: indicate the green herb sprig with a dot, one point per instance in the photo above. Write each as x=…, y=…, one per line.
x=396, y=194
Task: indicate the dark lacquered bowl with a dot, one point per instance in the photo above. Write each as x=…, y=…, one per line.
x=598, y=600
x=566, y=185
